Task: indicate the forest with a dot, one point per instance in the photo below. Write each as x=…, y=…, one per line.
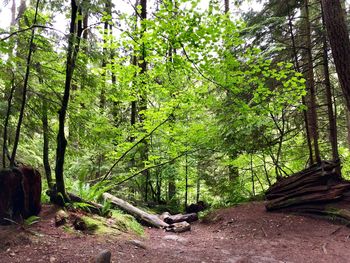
x=177, y=106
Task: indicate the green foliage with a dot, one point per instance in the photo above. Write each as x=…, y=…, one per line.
x=31, y=220
x=227, y=102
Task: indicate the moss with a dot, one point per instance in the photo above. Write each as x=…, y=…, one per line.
x=127, y=223
x=98, y=225
x=116, y=224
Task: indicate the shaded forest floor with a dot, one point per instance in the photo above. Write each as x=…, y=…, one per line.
x=245, y=233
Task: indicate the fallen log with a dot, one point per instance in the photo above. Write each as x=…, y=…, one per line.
x=171, y=219
x=152, y=220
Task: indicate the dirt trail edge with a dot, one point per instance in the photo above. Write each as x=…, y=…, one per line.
x=245, y=233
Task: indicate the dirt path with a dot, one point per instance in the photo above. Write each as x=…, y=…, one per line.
x=245, y=233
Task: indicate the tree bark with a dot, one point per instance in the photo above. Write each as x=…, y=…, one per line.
x=333, y=137
x=171, y=219
x=143, y=101
x=8, y=112
x=227, y=6
x=24, y=91
x=297, y=68
x=46, y=161
x=45, y=126
x=338, y=36
x=311, y=85
x=153, y=220
x=72, y=53
x=186, y=180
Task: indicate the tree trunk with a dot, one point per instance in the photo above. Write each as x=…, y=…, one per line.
x=338, y=36
x=13, y=13
x=297, y=68
x=198, y=186
x=227, y=6
x=24, y=91
x=133, y=109
x=72, y=53
x=333, y=137
x=46, y=161
x=143, y=101
x=186, y=180
x=8, y=112
x=311, y=85
x=172, y=187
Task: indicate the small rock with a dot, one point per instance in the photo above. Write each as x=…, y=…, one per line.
x=103, y=257
x=137, y=243
x=52, y=259
x=179, y=227
x=175, y=238
x=61, y=218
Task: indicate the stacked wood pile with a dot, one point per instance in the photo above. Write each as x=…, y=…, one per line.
x=317, y=190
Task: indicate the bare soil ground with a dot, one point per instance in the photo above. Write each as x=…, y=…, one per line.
x=245, y=233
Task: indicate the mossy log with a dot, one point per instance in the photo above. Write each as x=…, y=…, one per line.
x=150, y=219
x=318, y=190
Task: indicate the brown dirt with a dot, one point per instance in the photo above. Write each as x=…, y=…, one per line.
x=245, y=233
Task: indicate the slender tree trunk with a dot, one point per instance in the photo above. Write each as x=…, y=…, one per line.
x=311, y=85
x=233, y=171
x=338, y=36
x=266, y=171
x=252, y=174
x=348, y=127
x=227, y=6
x=133, y=109
x=72, y=53
x=297, y=68
x=159, y=186
x=198, y=192
x=186, y=180
x=8, y=112
x=106, y=35
x=13, y=13
x=333, y=137
x=45, y=125
x=171, y=187
x=143, y=101
x=24, y=92
x=46, y=161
